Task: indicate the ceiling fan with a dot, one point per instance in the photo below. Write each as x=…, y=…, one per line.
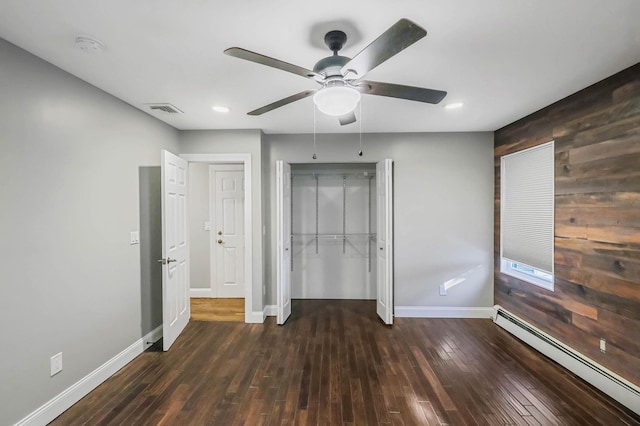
x=341, y=77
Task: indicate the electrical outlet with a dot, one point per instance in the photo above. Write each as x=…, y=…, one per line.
x=56, y=364
x=603, y=345
x=443, y=290
x=135, y=238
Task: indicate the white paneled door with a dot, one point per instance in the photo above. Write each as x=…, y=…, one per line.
x=175, y=251
x=283, y=230
x=228, y=235
x=384, y=199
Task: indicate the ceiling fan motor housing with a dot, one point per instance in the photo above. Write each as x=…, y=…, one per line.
x=331, y=65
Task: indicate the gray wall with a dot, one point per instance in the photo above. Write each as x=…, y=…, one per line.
x=150, y=247
x=198, y=210
x=72, y=164
x=443, y=208
x=237, y=142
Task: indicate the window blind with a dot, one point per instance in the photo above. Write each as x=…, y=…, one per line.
x=527, y=190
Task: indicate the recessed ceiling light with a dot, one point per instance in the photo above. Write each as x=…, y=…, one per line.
x=221, y=108
x=454, y=105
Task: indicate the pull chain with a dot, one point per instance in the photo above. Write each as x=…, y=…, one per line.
x=314, y=132
x=360, y=124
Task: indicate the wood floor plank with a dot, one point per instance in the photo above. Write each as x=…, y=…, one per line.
x=335, y=363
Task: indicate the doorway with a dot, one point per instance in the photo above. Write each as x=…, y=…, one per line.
x=220, y=237
x=216, y=231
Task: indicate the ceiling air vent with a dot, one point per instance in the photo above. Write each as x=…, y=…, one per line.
x=165, y=108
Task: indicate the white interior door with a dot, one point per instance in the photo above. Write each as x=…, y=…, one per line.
x=283, y=230
x=175, y=251
x=228, y=235
x=384, y=199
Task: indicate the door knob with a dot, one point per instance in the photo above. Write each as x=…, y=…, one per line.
x=220, y=242
x=381, y=248
x=167, y=260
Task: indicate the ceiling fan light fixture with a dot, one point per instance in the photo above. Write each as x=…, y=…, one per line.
x=221, y=108
x=336, y=100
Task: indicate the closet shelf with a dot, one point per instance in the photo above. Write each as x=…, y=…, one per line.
x=335, y=237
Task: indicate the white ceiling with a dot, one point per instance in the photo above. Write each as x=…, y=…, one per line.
x=503, y=58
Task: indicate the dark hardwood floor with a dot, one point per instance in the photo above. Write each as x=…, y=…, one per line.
x=334, y=362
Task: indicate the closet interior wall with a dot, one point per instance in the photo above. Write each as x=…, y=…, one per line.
x=333, y=231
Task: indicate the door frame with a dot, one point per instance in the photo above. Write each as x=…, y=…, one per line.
x=245, y=160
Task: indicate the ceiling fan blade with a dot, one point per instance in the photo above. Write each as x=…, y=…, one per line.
x=270, y=62
x=347, y=119
x=282, y=102
x=430, y=96
x=397, y=38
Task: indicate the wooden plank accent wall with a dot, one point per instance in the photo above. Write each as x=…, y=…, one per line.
x=597, y=222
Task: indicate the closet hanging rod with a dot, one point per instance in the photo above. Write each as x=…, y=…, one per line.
x=339, y=175
x=337, y=237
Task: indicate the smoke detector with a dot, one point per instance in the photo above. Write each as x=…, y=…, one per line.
x=89, y=44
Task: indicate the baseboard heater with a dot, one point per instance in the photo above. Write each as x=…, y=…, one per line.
x=607, y=381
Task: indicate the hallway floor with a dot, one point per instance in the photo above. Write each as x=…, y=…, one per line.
x=207, y=309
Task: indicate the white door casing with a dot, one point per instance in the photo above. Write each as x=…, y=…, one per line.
x=283, y=231
x=175, y=250
x=227, y=208
x=384, y=247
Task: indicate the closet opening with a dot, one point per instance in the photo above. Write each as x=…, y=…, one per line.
x=334, y=234
x=333, y=231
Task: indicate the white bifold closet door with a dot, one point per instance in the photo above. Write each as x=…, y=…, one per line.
x=283, y=237
x=384, y=200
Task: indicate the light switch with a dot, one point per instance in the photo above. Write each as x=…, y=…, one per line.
x=207, y=226
x=56, y=364
x=135, y=238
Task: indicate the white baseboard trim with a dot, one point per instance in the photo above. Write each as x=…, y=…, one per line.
x=60, y=403
x=442, y=312
x=258, y=317
x=589, y=370
x=270, y=311
x=201, y=292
